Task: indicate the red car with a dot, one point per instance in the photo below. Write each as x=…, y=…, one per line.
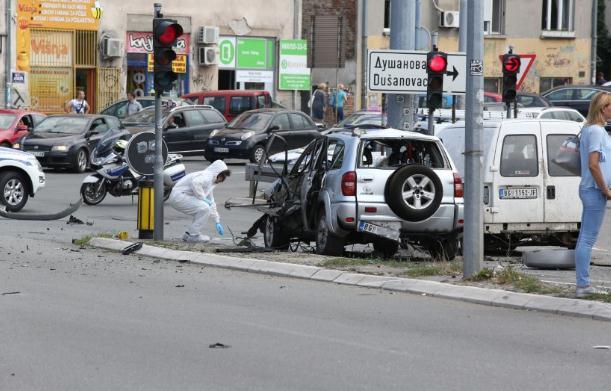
x=16, y=123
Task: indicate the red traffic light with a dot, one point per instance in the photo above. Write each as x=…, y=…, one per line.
x=169, y=34
x=511, y=64
x=437, y=63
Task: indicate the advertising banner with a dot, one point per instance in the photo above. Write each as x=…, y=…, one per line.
x=293, y=72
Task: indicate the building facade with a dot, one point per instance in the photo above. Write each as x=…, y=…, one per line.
x=104, y=48
x=557, y=32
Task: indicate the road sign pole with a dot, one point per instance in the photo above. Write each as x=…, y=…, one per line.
x=401, y=113
x=158, y=164
x=473, y=240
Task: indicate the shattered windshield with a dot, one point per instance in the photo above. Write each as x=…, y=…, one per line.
x=393, y=153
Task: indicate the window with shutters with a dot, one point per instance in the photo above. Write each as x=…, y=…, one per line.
x=327, y=34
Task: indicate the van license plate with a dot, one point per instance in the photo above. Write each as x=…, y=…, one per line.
x=221, y=150
x=378, y=230
x=518, y=193
x=38, y=154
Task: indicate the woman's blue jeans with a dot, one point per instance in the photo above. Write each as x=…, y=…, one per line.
x=594, y=206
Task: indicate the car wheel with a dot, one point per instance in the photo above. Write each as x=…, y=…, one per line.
x=326, y=242
x=14, y=191
x=414, y=192
x=444, y=249
x=273, y=234
x=80, y=161
x=6, y=145
x=387, y=248
x=91, y=194
x=257, y=154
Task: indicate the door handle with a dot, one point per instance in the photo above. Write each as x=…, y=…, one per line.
x=551, y=192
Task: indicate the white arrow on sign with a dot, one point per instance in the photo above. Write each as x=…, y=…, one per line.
x=404, y=71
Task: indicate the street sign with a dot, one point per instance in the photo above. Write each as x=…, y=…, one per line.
x=404, y=71
x=293, y=71
x=140, y=153
x=527, y=62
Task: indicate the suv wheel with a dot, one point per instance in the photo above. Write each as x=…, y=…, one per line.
x=257, y=154
x=414, y=192
x=444, y=249
x=326, y=242
x=388, y=248
x=14, y=191
x=273, y=235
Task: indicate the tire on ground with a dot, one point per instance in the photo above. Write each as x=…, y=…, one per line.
x=274, y=236
x=407, y=208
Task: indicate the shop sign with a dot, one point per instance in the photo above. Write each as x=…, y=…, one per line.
x=178, y=66
x=252, y=53
x=293, y=72
x=227, y=52
x=142, y=42
x=51, y=48
x=58, y=14
x=242, y=76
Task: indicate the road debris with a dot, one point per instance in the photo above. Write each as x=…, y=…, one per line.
x=74, y=220
x=219, y=345
x=180, y=286
x=602, y=347
x=132, y=247
x=11, y=293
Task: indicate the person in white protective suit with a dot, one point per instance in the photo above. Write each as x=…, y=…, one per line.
x=192, y=195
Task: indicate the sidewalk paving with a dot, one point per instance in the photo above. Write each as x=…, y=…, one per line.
x=480, y=295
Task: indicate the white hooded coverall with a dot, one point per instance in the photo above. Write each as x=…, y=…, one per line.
x=189, y=193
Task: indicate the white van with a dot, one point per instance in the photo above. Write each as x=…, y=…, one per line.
x=526, y=195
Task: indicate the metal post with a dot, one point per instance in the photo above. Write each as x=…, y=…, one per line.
x=402, y=37
x=158, y=165
x=431, y=118
x=474, y=225
x=7, y=53
x=594, y=39
x=296, y=35
x=462, y=40
x=364, y=33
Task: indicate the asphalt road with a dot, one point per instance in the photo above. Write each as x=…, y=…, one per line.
x=97, y=321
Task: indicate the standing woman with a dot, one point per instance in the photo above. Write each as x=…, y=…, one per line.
x=318, y=103
x=595, y=150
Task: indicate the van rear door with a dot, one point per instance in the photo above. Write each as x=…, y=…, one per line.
x=561, y=202
x=517, y=191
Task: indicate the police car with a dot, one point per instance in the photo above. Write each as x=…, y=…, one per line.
x=21, y=176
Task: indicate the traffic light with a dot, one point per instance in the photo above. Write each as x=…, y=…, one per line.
x=511, y=68
x=165, y=34
x=436, y=65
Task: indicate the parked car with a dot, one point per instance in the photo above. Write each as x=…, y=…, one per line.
x=529, y=99
x=21, y=176
x=66, y=141
x=344, y=190
x=247, y=135
x=185, y=128
x=119, y=108
x=526, y=195
x=17, y=123
x=562, y=113
x=232, y=103
x=575, y=97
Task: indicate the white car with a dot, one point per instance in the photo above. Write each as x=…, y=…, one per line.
x=21, y=176
x=562, y=113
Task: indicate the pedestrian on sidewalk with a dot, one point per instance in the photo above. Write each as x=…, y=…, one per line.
x=318, y=103
x=595, y=152
x=78, y=105
x=338, y=102
x=192, y=195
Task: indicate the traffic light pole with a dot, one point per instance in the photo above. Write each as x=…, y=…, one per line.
x=473, y=238
x=158, y=164
x=401, y=107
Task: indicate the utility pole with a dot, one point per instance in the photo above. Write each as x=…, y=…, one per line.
x=473, y=239
x=7, y=53
x=364, y=33
x=401, y=113
x=158, y=163
x=594, y=40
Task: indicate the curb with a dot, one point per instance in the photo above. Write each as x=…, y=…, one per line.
x=493, y=297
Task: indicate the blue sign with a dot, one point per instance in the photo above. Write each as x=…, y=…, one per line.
x=18, y=77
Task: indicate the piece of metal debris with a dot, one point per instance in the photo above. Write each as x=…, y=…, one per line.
x=604, y=347
x=132, y=247
x=10, y=293
x=74, y=220
x=180, y=286
x=219, y=345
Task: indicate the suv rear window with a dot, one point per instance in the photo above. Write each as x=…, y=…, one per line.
x=393, y=153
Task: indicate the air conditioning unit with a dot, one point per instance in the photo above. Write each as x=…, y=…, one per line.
x=449, y=19
x=208, y=56
x=208, y=35
x=112, y=47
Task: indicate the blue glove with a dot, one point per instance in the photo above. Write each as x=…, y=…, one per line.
x=219, y=229
x=208, y=201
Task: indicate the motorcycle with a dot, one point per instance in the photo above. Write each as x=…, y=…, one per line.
x=114, y=176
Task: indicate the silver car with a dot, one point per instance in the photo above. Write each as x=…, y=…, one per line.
x=383, y=186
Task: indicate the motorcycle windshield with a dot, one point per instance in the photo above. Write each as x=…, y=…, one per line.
x=105, y=146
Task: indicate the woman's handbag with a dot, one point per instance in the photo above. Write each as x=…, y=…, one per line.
x=568, y=156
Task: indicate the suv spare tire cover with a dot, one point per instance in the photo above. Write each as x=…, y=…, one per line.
x=414, y=192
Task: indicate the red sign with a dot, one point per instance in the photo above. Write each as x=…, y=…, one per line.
x=527, y=59
x=139, y=42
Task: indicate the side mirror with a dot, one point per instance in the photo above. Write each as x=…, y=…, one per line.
x=21, y=128
x=273, y=128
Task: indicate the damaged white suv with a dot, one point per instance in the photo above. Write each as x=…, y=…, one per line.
x=382, y=186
